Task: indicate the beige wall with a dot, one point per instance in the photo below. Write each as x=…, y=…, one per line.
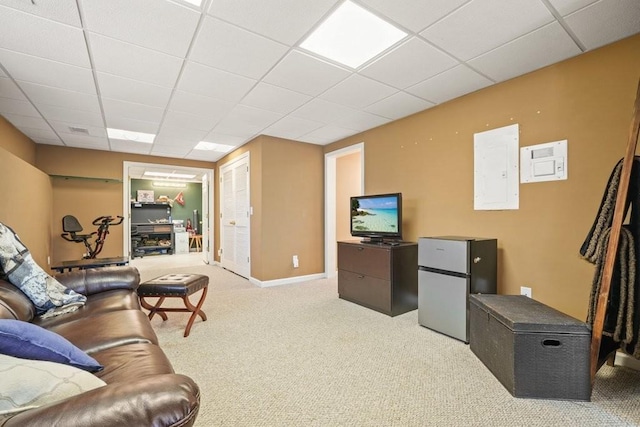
x=26, y=203
x=429, y=158
x=87, y=198
x=287, y=199
x=348, y=176
x=16, y=142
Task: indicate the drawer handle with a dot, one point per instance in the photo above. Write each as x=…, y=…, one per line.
x=551, y=343
x=361, y=249
x=360, y=277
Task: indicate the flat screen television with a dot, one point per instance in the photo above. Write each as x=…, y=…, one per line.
x=377, y=217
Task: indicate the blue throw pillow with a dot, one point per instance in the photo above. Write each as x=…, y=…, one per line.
x=29, y=341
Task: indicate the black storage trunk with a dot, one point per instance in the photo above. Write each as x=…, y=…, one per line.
x=532, y=349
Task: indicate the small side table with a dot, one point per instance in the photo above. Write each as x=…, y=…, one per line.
x=175, y=286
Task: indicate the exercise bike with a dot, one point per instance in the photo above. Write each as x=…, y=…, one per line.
x=72, y=227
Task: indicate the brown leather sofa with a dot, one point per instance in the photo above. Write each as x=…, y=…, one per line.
x=142, y=388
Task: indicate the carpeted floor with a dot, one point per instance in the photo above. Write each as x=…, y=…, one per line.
x=297, y=355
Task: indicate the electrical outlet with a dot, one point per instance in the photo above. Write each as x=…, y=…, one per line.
x=296, y=263
x=525, y=291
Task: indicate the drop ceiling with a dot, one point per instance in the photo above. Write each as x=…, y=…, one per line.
x=231, y=70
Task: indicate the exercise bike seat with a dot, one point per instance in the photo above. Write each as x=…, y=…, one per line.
x=71, y=227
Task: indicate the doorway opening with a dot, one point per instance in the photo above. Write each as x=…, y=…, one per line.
x=334, y=187
x=202, y=176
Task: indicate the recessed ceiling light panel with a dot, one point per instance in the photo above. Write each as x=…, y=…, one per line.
x=352, y=36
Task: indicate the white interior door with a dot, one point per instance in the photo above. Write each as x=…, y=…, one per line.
x=205, y=218
x=234, y=217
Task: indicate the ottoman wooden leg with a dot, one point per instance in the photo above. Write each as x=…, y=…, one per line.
x=153, y=309
x=195, y=309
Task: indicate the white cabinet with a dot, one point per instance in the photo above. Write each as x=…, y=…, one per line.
x=181, y=242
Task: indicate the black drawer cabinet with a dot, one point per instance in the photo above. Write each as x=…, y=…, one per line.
x=379, y=276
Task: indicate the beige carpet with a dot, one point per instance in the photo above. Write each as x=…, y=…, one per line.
x=296, y=355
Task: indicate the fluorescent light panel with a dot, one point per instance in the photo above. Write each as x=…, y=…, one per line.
x=127, y=135
x=352, y=36
x=169, y=184
x=212, y=146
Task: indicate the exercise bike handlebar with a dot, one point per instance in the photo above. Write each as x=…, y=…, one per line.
x=108, y=220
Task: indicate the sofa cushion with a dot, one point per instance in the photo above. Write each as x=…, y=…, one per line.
x=28, y=384
x=115, y=300
x=107, y=330
x=132, y=362
x=29, y=341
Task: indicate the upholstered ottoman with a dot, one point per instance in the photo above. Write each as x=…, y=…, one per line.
x=175, y=286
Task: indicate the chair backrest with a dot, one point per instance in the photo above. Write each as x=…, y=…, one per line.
x=70, y=224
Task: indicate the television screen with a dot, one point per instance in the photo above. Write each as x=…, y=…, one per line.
x=377, y=216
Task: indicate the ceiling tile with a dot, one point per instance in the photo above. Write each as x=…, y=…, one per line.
x=408, y=64
x=207, y=81
x=538, y=49
x=482, y=25
x=129, y=90
x=27, y=121
x=64, y=11
x=130, y=146
x=451, y=84
x=205, y=155
x=8, y=89
x=18, y=107
x=39, y=94
x=47, y=39
x=169, y=133
x=358, y=92
x=292, y=127
x=227, y=47
x=146, y=113
x=565, y=7
x=244, y=121
x=412, y=14
x=274, y=98
x=38, y=133
x=326, y=134
x=283, y=20
x=190, y=121
x=360, y=120
x=220, y=138
x=85, y=141
x=64, y=127
x=48, y=73
x=126, y=60
x=62, y=114
x=46, y=141
x=127, y=123
x=322, y=111
x=2, y=73
x=605, y=22
x=160, y=25
x=198, y=105
x=306, y=74
x=169, y=150
x=398, y=105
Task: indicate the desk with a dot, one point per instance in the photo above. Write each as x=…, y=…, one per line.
x=82, y=264
x=197, y=240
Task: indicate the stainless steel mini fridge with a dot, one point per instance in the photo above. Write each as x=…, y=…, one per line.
x=449, y=269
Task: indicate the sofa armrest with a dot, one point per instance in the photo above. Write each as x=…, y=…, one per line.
x=160, y=400
x=96, y=280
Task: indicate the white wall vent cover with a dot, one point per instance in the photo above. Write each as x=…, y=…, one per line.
x=544, y=162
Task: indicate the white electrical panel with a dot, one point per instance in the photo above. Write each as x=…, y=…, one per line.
x=544, y=162
x=495, y=169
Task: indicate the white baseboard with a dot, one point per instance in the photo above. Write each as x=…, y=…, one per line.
x=287, y=281
x=627, y=361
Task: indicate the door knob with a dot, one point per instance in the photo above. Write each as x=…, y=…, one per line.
x=232, y=222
